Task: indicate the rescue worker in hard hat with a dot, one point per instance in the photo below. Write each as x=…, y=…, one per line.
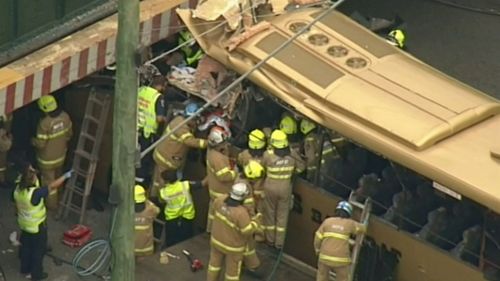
x=396, y=37
x=171, y=153
x=331, y=243
x=221, y=171
x=280, y=167
x=30, y=200
x=252, y=176
x=145, y=214
x=179, y=208
x=331, y=160
x=312, y=150
x=151, y=113
x=256, y=146
x=5, y=145
x=232, y=227
x=53, y=133
x=288, y=125
x=190, y=48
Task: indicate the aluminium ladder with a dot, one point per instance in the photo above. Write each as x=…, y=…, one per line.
x=79, y=186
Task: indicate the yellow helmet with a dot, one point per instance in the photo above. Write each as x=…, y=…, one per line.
x=288, y=125
x=397, y=38
x=256, y=139
x=279, y=139
x=139, y=194
x=306, y=126
x=253, y=170
x=47, y=103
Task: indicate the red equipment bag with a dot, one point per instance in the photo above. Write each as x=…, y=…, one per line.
x=77, y=236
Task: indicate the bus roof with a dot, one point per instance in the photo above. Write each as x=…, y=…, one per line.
x=346, y=78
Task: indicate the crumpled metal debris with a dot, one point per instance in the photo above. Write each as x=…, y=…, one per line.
x=211, y=10
x=184, y=79
x=236, y=40
x=206, y=82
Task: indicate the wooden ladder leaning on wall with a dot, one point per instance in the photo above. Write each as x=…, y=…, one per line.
x=79, y=186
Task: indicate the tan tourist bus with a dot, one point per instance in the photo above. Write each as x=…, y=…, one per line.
x=349, y=80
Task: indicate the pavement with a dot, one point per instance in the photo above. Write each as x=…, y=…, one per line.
x=460, y=43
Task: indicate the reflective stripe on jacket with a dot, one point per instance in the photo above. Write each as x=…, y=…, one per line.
x=146, y=110
x=178, y=200
x=50, y=141
x=29, y=216
x=331, y=240
x=278, y=168
x=231, y=227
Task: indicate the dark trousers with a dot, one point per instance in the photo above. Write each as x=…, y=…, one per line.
x=31, y=252
x=177, y=230
x=146, y=168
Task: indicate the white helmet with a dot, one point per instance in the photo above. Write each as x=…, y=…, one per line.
x=217, y=136
x=239, y=191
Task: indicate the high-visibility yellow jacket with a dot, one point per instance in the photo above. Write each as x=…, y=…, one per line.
x=146, y=110
x=29, y=216
x=178, y=200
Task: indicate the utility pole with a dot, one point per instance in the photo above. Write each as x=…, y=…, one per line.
x=124, y=140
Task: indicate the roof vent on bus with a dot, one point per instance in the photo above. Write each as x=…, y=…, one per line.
x=297, y=26
x=356, y=62
x=337, y=51
x=318, y=39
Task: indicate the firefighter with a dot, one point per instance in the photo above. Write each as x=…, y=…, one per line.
x=252, y=176
x=256, y=147
x=151, y=112
x=280, y=166
x=288, y=125
x=221, y=171
x=171, y=153
x=5, y=145
x=331, y=243
x=51, y=142
x=32, y=220
x=145, y=214
x=232, y=227
x=311, y=148
x=396, y=37
x=179, y=208
x=190, y=49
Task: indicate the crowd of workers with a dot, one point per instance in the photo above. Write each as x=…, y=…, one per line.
x=250, y=190
x=244, y=206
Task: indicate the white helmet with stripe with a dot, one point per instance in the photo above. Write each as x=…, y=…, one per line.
x=239, y=191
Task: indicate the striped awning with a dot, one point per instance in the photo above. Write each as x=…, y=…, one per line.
x=80, y=54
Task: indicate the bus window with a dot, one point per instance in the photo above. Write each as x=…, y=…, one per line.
x=491, y=252
x=411, y=203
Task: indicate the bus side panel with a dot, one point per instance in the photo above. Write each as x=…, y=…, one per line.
x=419, y=261
x=311, y=206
